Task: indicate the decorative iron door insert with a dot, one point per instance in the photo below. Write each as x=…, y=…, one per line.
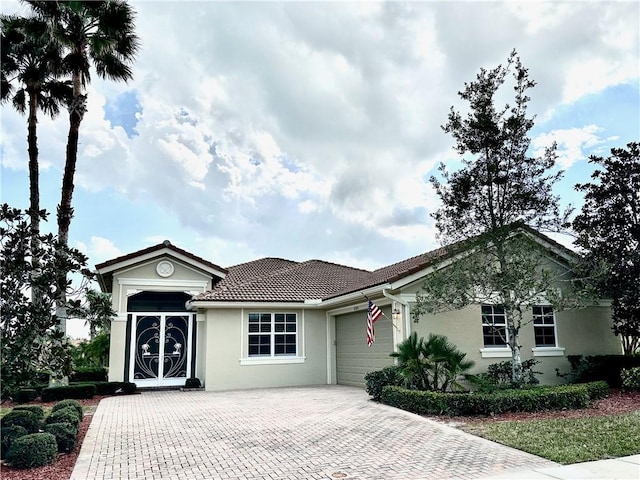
x=161, y=349
x=176, y=333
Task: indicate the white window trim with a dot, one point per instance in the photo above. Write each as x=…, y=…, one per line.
x=495, y=352
x=548, y=351
x=272, y=359
x=499, y=351
x=543, y=349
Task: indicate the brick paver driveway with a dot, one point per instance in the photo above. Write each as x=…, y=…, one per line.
x=286, y=433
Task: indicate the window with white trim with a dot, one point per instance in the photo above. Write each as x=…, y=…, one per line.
x=544, y=326
x=273, y=334
x=494, y=326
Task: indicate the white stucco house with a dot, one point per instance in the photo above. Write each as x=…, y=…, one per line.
x=275, y=322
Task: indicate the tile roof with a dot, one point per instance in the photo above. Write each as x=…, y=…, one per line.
x=278, y=280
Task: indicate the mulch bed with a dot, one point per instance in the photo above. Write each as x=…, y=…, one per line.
x=62, y=468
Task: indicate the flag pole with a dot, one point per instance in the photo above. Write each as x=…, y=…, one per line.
x=383, y=314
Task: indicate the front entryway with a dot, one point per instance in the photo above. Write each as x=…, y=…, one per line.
x=161, y=341
x=161, y=349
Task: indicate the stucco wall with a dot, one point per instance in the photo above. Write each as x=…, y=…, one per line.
x=580, y=332
x=226, y=346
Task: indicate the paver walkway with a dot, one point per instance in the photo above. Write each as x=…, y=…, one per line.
x=285, y=433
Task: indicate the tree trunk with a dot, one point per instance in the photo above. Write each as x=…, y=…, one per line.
x=516, y=361
x=65, y=210
x=34, y=192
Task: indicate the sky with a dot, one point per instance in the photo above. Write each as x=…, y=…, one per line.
x=309, y=130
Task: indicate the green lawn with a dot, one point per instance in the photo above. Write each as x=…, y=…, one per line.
x=568, y=440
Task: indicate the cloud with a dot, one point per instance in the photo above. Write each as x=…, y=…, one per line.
x=573, y=144
x=263, y=126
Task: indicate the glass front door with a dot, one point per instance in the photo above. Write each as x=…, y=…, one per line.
x=161, y=349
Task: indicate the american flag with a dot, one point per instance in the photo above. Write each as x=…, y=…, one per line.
x=373, y=313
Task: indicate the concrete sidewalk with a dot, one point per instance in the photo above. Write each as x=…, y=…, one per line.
x=615, y=469
x=314, y=433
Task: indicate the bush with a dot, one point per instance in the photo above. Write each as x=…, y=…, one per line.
x=376, y=381
x=104, y=388
x=631, y=378
x=129, y=387
x=600, y=367
x=29, y=420
x=89, y=374
x=35, y=409
x=33, y=450
x=65, y=415
x=65, y=435
x=192, y=382
x=527, y=400
x=9, y=434
x=25, y=395
x=68, y=403
x=51, y=394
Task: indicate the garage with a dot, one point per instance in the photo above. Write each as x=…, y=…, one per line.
x=353, y=357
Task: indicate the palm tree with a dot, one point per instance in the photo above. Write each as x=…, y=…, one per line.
x=101, y=33
x=32, y=60
x=434, y=364
x=413, y=363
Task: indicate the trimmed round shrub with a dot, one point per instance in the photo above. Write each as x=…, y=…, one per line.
x=23, y=418
x=9, y=434
x=65, y=435
x=25, y=395
x=377, y=380
x=129, y=387
x=193, y=382
x=68, y=403
x=630, y=378
x=36, y=409
x=33, y=450
x=66, y=415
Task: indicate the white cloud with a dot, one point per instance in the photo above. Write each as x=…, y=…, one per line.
x=102, y=249
x=263, y=126
x=573, y=144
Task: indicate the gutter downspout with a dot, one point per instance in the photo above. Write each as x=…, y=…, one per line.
x=405, y=313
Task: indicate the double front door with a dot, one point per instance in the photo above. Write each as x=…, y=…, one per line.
x=161, y=349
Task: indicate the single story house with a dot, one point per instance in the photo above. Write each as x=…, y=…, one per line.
x=273, y=322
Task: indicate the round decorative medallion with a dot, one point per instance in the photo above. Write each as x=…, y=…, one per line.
x=165, y=268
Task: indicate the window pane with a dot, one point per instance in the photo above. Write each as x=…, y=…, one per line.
x=285, y=344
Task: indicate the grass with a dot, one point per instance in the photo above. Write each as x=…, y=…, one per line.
x=568, y=440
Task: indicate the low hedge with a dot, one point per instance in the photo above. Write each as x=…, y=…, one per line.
x=29, y=420
x=65, y=435
x=35, y=409
x=68, y=403
x=103, y=388
x=51, y=394
x=377, y=380
x=8, y=435
x=526, y=400
x=65, y=415
x=33, y=450
x=25, y=395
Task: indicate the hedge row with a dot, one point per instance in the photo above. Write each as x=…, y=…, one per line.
x=85, y=390
x=526, y=400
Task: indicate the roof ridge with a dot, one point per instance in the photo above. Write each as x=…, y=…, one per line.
x=338, y=265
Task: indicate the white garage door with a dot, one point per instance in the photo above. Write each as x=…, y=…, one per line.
x=353, y=357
